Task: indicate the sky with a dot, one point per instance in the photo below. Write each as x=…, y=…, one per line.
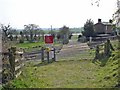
x=72, y=13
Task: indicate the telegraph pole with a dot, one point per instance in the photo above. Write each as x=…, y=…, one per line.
x=51, y=29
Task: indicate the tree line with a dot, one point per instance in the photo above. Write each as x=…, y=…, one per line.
x=33, y=33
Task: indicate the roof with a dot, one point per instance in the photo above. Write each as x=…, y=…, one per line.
x=103, y=35
x=107, y=23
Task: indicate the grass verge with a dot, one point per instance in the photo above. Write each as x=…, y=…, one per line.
x=29, y=45
x=69, y=74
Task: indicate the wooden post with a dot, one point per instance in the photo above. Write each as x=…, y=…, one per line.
x=54, y=54
x=90, y=39
x=108, y=47
x=48, y=56
x=118, y=42
x=97, y=52
x=42, y=54
x=12, y=54
x=5, y=76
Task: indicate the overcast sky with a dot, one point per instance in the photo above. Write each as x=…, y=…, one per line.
x=72, y=13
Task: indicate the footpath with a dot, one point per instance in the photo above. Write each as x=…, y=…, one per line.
x=73, y=49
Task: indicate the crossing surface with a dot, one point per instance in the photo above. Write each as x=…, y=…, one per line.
x=72, y=49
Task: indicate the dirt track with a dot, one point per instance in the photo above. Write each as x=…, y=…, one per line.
x=72, y=49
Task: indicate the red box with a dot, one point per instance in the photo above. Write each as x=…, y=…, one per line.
x=49, y=39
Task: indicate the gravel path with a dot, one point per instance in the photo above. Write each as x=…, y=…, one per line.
x=71, y=49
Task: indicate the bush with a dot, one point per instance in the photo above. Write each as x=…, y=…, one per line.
x=66, y=41
x=21, y=41
x=89, y=29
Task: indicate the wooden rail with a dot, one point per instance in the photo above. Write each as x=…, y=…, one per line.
x=43, y=54
x=12, y=64
x=12, y=61
x=103, y=50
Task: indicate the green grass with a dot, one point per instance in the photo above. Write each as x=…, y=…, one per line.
x=58, y=74
x=29, y=45
x=108, y=74
x=75, y=37
x=114, y=43
x=33, y=44
x=0, y=87
x=69, y=74
x=87, y=54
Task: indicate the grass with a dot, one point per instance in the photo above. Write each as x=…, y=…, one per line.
x=75, y=37
x=55, y=75
x=69, y=74
x=30, y=45
x=86, y=55
x=108, y=74
x=0, y=87
x=34, y=46
x=114, y=43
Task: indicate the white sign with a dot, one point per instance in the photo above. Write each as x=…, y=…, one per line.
x=51, y=53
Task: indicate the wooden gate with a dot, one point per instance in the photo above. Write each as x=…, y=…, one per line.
x=43, y=54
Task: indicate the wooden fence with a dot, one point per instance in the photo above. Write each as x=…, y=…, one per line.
x=43, y=54
x=12, y=64
x=103, y=50
x=13, y=61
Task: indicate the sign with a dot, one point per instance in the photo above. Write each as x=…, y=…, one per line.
x=48, y=49
x=49, y=39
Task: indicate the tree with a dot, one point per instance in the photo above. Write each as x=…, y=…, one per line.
x=116, y=19
x=64, y=34
x=5, y=32
x=53, y=33
x=89, y=29
x=26, y=33
x=14, y=32
x=64, y=30
x=22, y=37
x=11, y=37
x=95, y=2
x=42, y=33
x=58, y=36
x=31, y=28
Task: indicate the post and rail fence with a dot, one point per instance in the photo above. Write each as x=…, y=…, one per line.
x=42, y=54
x=13, y=61
x=104, y=50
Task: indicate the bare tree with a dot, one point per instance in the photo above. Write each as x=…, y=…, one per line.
x=5, y=32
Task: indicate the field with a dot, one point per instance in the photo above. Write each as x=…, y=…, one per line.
x=30, y=45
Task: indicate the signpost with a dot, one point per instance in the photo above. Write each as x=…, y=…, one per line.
x=49, y=42
x=49, y=39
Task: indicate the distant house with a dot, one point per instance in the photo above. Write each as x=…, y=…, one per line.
x=104, y=27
